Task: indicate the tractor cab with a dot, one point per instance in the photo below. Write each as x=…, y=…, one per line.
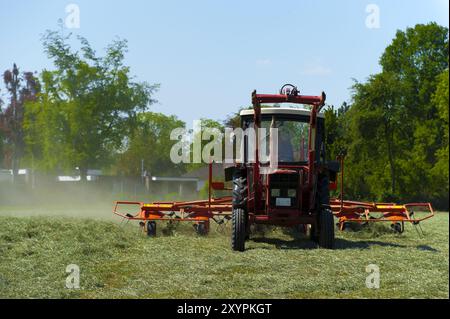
x=283, y=185
x=283, y=178
x=292, y=125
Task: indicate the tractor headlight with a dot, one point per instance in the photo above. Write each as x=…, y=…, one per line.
x=292, y=193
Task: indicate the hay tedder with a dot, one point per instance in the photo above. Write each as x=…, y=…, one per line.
x=294, y=193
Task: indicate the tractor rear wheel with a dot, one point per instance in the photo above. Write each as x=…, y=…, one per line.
x=151, y=228
x=326, y=229
x=239, y=225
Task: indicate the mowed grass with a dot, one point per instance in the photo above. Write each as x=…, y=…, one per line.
x=119, y=261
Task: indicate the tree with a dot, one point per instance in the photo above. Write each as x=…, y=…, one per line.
x=2, y=138
x=441, y=167
x=416, y=57
x=335, y=137
x=396, y=134
x=21, y=87
x=377, y=121
x=87, y=106
x=207, y=138
x=150, y=141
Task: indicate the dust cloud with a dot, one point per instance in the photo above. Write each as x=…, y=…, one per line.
x=79, y=199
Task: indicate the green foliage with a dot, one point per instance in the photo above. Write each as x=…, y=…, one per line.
x=86, y=107
x=208, y=126
x=440, y=170
x=397, y=126
x=336, y=127
x=150, y=141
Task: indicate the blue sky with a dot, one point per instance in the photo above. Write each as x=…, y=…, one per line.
x=209, y=55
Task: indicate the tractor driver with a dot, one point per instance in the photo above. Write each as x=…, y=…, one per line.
x=285, y=149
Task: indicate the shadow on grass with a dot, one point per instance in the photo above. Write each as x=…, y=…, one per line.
x=427, y=248
x=308, y=244
x=285, y=244
x=363, y=244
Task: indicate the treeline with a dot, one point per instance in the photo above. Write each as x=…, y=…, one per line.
x=89, y=112
x=395, y=131
x=86, y=113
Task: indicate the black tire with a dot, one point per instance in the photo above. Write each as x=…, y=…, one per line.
x=346, y=226
x=313, y=234
x=239, y=226
x=201, y=229
x=326, y=229
x=240, y=192
x=323, y=191
x=151, y=229
x=398, y=227
x=300, y=229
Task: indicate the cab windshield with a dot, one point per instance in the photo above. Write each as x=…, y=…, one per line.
x=292, y=137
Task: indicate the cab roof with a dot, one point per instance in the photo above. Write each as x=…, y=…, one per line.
x=280, y=110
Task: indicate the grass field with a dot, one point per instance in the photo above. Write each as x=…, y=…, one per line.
x=118, y=261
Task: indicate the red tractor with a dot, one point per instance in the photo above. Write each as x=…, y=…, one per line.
x=296, y=192
x=290, y=188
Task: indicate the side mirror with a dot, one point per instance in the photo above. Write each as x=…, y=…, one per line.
x=229, y=171
x=333, y=168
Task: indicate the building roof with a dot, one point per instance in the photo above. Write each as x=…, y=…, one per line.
x=280, y=110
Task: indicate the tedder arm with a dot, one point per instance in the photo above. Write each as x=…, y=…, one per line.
x=364, y=212
x=218, y=209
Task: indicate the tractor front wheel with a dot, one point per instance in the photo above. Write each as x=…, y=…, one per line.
x=326, y=229
x=239, y=226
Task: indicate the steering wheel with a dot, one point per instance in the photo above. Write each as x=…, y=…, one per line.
x=289, y=89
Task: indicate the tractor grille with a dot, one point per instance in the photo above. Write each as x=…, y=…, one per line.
x=284, y=190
